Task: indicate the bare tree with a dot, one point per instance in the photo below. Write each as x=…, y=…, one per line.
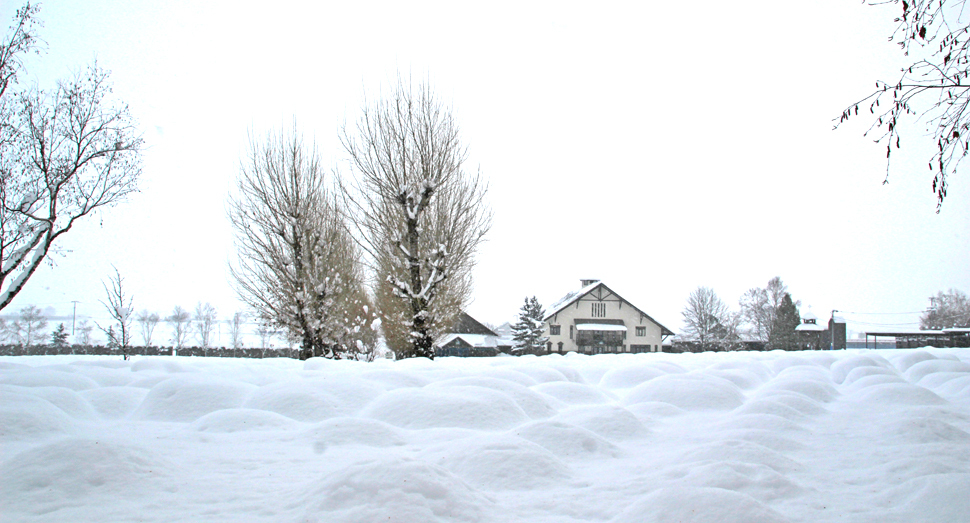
x=708, y=321
x=205, y=321
x=83, y=333
x=932, y=94
x=298, y=266
x=759, y=305
x=28, y=327
x=63, y=155
x=181, y=322
x=235, y=329
x=949, y=309
x=147, y=322
x=266, y=333
x=420, y=216
x=120, y=310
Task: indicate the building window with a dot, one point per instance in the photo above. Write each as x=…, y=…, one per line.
x=570, y=332
x=599, y=310
x=641, y=331
x=560, y=347
x=554, y=330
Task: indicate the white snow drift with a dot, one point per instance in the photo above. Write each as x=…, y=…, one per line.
x=849, y=436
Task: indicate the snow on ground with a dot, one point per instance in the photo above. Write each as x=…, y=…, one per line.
x=849, y=436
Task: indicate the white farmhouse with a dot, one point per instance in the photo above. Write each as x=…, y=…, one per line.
x=596, y=320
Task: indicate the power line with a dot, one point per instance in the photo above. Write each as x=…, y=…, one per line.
x=883, y=313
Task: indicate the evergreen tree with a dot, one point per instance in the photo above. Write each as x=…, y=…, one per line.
x=783, y=326
x=527, y=332
x=59, y=336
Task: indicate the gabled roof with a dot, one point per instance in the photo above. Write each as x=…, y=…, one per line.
x=575, y=296
x=465, y=324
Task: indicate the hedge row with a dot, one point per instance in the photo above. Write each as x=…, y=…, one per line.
x=97, y=350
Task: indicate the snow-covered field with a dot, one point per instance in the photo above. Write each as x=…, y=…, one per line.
x=848, y=436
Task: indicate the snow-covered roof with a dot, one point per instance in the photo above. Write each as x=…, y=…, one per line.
x=905, y=332
x=810, y=327
x=475, y=340
x=599, y=327
x=568, y=299
x=809, y=315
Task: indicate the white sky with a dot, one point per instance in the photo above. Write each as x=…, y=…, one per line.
x=657, y=148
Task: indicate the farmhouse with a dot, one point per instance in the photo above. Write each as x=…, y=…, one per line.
x=468, y=337
x=596, y=320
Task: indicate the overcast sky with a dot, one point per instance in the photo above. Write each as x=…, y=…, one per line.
x=657, y=147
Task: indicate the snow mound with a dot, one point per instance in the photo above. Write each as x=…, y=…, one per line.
x=503, y=462
x=611, y=422
x=698, y=504
x=457, y=406
x=510, y=375
x=535, y=405
x=899, y=394
x=795, y=400
x=188, y=398
x=398, y=490
x=925, y=368
x=115, y=402
x=812, y=389
x=78, y=471
x=239, y=420
x=909, y=358
x=572, y=393
x=391, y=379
x=629, y=377
x=771, y=405
x=841, y=368
x=745, y=380
x=688, y=392
x=72, y=403
x=863, y=372
x=298, y=400
x=160, y=365
x=540, y=373
x=29, y=418
x=742, y=451
x=921, y=430
x=937, y=498
x=563, y=439
x=756, y=480
x=768, y=422
x=353, y=431
x=47, y=378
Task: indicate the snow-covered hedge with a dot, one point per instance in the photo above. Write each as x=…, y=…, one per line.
x=100, y=350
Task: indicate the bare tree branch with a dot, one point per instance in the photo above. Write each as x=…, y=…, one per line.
x=933, y=89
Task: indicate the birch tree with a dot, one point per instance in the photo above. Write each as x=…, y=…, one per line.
x=64, y=153
x=929, y=100
x=147, y=321
x=420, y=215
x=181, y=322
x=205, y=322
x=298, y=266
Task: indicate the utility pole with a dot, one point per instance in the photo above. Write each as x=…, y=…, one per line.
x=73, y=316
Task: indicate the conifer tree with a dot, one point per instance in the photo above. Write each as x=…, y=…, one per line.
x=784, y=325
x=527, y=332
x=59, y=336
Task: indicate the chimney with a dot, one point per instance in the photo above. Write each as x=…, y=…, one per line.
x=587, y=283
